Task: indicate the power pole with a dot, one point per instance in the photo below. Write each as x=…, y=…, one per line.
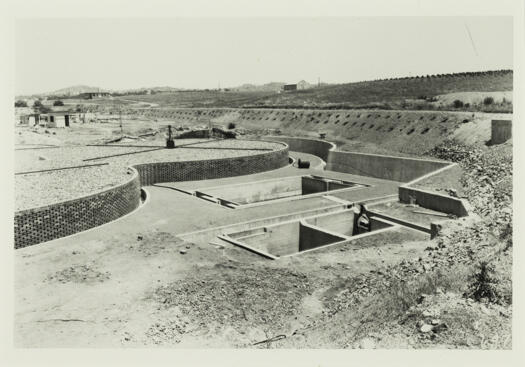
x=120, y=119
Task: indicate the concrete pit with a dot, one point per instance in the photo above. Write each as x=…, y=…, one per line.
x=262, y=192
x=294, y=237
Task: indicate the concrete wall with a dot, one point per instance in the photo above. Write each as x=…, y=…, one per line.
x=47, y=223
x=380, y=166
x=312, y=185
x=257, y=191
x=342, y=223
x=501, y=131
x=373, y=165
x=376, y=224
x=312, y=238
x=434, y=201
x=278, y=240
x=316, y=147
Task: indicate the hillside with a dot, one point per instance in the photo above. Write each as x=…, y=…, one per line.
x=201, y=98
x=268, y=87
x=415, y=93
x=395, y=91
x=73, y=91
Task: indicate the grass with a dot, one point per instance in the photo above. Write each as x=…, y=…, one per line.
x=400, y=295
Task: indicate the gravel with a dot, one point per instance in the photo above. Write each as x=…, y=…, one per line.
x=45, y=188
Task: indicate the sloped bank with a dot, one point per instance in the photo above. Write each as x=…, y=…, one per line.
x=42, y=224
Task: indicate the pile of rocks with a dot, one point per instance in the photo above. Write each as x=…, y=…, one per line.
x=487, y=179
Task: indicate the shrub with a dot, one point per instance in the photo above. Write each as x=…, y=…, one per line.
x=20, y=103
x=483, y=285
x=39, y=107
x=58, y=103
x=458, y=103
x=488, y=101
x=231, y=126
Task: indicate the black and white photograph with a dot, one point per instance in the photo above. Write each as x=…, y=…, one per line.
x=264, y=182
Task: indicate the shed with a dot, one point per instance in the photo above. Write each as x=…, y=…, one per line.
x=31, y=119
x=58, y=119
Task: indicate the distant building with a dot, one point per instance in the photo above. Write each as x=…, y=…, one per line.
x=58, y=119
x=289, y=87
x=91, y=95
x=30, y=119
x=303, y=85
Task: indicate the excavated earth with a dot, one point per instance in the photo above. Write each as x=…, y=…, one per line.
x=392, y=290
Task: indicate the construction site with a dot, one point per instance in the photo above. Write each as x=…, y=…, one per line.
x=304, y=183
x=240, y=233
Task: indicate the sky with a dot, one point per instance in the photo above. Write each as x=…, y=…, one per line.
x=125, y=53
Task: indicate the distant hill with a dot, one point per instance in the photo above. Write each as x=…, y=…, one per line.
x=152, y=89
x=74, y=91
x=410, y=93
x=394, y=91
x=268, y=87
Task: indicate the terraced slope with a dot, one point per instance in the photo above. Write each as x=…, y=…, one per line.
x=373, y=131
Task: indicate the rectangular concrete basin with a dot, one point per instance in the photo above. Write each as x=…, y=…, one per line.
x=274, y=189
x=297, y=236
x=285, y=239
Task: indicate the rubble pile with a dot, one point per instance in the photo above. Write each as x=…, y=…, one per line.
x=442, y=318
x=487, y=180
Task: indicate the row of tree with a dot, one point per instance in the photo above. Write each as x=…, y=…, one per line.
x=454, y=75
x=38, y=106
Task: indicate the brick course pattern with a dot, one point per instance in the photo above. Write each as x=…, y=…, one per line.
x=153, y=173
x=47, y=223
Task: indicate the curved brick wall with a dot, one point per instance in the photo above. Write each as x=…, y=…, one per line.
x=50, y=222
x=152, y=173
x=316, y=147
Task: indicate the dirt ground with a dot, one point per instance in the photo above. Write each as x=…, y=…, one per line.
x=158, y=290
x=149, y=288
